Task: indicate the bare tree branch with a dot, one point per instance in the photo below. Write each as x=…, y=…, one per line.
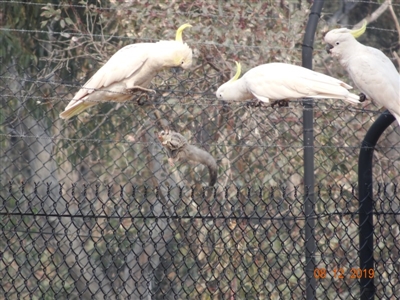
x=376, y=14
x=396, y=56
x=396, y=21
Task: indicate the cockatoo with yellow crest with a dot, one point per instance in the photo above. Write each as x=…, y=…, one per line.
x=373, y=72
x=280, y=81
x=129, y=70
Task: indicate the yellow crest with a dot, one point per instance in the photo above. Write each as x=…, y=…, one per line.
x=238, y=71
x=179, y=32
x=359, y=32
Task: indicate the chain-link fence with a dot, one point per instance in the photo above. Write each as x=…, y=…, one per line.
x=181, y=243
x=97, y=208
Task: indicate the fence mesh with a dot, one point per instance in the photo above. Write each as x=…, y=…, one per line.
x=242, y=244
x=96, y=208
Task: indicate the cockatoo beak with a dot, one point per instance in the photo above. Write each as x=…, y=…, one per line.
x=328, y=48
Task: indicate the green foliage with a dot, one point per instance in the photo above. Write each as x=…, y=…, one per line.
x=13, y=44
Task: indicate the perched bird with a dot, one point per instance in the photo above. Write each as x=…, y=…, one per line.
x=129, y=70
x=373, y=72
x=280, y=81
x=179, y=149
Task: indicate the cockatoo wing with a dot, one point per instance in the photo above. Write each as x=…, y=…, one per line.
x=375, y=76
x=120, y=66
x=278, y=81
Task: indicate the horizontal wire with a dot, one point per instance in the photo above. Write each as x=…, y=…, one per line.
x=206, y=98
x=174, y=94
x=179, y=217
x=319, y=104
x=176, y=12
x=231, y=45
x=151, y=39
x=216, y=145
x=14, y=78
x=301, y=217
x=56, y=138
x=62, y=84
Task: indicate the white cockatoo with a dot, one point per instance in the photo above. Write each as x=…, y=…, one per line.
x=280, y=81
x=372, y=71
x=130, y=69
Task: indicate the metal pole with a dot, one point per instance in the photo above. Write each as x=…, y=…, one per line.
x=366, y=202
x=308, y=143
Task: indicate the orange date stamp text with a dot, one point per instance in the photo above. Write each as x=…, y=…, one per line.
x=342, y=273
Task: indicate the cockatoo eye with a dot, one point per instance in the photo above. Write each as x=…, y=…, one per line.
x=337, y=43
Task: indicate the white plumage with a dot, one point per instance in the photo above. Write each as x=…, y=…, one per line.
x=130, y=69
x=280, y=81
x=372, y=71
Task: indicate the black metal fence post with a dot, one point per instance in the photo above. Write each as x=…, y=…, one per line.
x=308, y=143
x=366, y=201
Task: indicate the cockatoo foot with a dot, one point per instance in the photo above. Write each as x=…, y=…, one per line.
x=281, y=103
x=142, y=92
x=362, y=97
x=254, y=103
